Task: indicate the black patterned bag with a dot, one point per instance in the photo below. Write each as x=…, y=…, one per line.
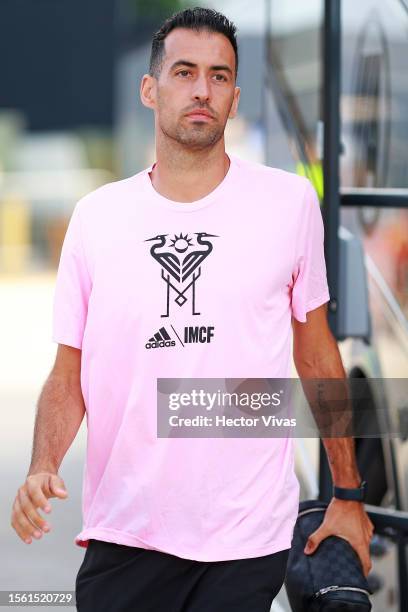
x=329, y=579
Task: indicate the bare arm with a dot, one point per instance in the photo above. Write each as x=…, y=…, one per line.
x=316, y=355
x=59, y=415
x=60, y=411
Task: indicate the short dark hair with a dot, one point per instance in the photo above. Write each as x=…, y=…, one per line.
x=198, y=19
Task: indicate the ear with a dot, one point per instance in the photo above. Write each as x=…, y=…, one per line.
x=234, y=107
x=148, y=91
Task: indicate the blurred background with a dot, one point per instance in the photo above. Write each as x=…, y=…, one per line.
x=71, y=120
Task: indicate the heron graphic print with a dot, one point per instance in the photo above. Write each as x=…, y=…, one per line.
x=180, y=258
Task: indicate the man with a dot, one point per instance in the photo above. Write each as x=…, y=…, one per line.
x=191, y=267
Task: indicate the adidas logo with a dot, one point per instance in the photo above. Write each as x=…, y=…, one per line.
x=160, y=339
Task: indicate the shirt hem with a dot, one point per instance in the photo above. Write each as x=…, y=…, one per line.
x=119, y=537
x=322, y=299
x=300, y=313
x=67, y=340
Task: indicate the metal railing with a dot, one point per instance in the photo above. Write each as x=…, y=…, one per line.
x=393, y=524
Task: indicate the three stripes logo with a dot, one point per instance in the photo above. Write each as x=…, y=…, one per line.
x=160, y=339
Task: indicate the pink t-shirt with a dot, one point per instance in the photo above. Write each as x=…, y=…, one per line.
x=260, y=233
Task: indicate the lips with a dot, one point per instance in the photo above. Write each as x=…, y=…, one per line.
x=199, y=113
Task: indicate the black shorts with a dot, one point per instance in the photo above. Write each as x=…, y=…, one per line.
x=119, y=578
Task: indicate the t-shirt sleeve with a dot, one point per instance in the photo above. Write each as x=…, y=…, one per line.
x=309, y=280
x=72, y=288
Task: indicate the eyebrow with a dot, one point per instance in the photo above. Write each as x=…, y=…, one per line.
x=182, y=62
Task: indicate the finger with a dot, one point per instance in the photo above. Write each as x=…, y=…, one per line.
x=366, y=532
x=315, y=538
x=15, y=520
x=369, y=530
x=366, y=569
x=365, y=560
x=22, y=525
x=57, y=486
x=370, y=535
x=37, y=494
x=29, y=510
x=362, y=551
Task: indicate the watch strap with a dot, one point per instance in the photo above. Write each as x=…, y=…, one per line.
x=350, y=494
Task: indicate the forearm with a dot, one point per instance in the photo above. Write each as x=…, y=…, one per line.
x=326, y=363
x=60, y=410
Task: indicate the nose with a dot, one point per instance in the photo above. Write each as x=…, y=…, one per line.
x=201, y=89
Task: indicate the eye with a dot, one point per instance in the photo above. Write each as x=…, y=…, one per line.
x=185, y=71
x=223, y=78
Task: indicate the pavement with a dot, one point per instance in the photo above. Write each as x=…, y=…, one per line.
x=27, y=355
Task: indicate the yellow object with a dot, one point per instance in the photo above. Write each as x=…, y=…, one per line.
x=14, y=234
x=314, y=172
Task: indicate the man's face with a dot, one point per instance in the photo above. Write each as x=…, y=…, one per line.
x=198, y=73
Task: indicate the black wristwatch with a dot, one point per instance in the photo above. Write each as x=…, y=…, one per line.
x=357, y=494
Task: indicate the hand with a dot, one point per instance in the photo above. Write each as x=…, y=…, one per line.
x=31, y=496
x=348, y=520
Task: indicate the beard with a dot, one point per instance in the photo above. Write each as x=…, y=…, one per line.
x=193, y=134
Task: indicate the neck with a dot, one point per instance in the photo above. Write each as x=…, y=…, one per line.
x=186, y=175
